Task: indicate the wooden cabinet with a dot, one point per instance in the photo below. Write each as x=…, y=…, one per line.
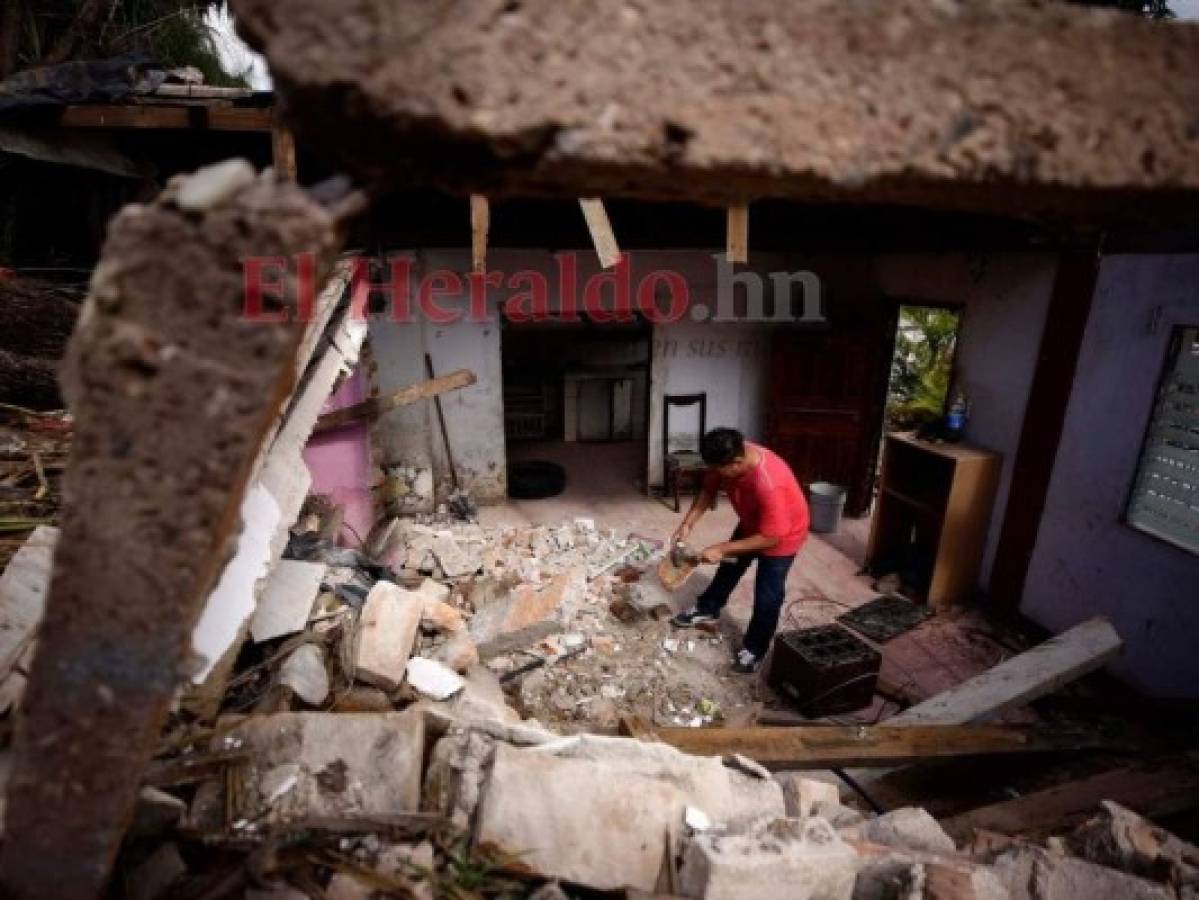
x=931, y=518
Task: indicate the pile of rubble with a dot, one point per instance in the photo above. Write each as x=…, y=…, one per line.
x=33, y=454
x=461, y=798
x=384, y=758
x=572, y=619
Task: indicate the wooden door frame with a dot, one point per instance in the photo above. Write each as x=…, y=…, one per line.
x=891, y=323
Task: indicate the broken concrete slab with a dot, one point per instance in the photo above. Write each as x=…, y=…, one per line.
x=287, y=598
x=570, y=819
x=885, y=873
x=773, y=859
x=909, y=828
x=432, y=679
x=1020, y=679
x=801, y=793
x=23, y=586
x=526, y=615
x=454, y=561
x=337, y=765
x=725, y=793
x=1119, y=838
x=692, y=116
x=386, y=632
x=1033, y=873
x=456, y=772
x=304, y=673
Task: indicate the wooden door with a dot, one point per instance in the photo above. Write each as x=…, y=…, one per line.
x=825, y=408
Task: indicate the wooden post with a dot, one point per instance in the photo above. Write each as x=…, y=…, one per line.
x=738, y=233
x=480, y=224
x=601, y=231
x=1044, y=418
x=283, y=151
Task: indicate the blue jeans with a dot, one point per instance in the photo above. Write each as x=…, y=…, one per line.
x=770, y=583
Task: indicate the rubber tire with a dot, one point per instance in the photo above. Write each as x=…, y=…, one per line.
x=535, y=479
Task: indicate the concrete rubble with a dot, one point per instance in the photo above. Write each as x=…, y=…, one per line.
x=392, y=705
x=401, y=707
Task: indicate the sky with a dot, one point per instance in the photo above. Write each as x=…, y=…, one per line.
x=237, y=56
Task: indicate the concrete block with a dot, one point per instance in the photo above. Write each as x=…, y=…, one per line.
x=305, y=673
x=1033, y=873
x=909, y=828
x=774, y=859
x=386, y=632
x=801, y=793
x=727, y=795
x=287, y=599
x=455, y=561
x=571, y=819
x=337, y=765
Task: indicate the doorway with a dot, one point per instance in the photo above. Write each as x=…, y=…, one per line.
x=922, y=366
x=576, y=395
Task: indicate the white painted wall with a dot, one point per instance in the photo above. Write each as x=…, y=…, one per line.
x=474, y=415
x=1086, y=560
x=1005, y=298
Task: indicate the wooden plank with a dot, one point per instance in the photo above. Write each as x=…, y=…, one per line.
x=1156, y=788
x=1021, y=679
x=283, y=151
x=738, y=233
x=229, y=118
x=376, y=406
x=480, y=224
x=601, y=231
x=821, y=746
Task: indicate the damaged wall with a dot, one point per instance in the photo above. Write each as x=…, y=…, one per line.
x=1004, y=299
x=1087, y=560
x=409, y=438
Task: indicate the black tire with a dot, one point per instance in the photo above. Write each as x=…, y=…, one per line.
x=535, y=479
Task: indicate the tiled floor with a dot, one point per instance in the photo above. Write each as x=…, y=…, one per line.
x=601, y=484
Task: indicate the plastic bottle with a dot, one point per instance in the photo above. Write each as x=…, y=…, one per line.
x=956, y=418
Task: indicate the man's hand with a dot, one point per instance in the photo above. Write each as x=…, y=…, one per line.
x=713, y=554
x=681, y=533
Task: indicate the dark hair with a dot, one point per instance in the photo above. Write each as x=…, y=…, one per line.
x=721, y=446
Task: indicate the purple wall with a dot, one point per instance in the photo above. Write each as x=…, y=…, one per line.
x=340, y=463
x=1087, y=561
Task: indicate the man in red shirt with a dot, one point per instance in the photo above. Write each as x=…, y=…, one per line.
x=773, y=526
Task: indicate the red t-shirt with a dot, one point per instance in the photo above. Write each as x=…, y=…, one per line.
x=768, y=500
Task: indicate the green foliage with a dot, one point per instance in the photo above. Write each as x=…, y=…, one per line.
x=1154, y=9
x=173, y=32
x=921, y=367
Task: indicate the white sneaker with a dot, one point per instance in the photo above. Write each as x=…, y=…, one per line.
x=746, y=662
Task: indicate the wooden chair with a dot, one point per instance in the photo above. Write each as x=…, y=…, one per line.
x=685, y=462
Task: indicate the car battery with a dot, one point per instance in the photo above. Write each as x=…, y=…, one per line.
x=824, y=670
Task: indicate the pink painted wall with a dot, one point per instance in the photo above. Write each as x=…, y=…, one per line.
x=340, y=463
